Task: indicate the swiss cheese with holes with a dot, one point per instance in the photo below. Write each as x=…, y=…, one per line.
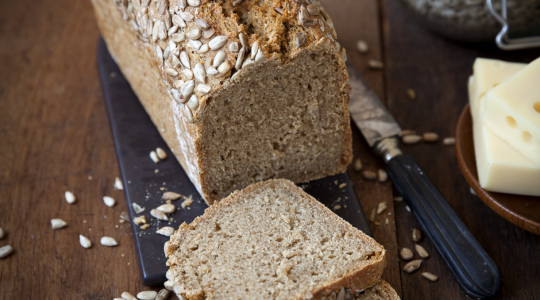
x=513, y=111
x=501, y=168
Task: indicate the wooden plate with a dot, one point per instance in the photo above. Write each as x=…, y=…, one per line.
x=523, y=211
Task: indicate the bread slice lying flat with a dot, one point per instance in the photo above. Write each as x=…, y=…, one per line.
x=271, y=241
x=381, y=291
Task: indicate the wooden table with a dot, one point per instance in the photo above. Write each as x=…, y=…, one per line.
x=55, y=136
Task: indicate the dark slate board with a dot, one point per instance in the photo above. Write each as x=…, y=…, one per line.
x=135, y=136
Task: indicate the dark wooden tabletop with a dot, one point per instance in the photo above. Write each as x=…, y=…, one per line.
x=55, y=136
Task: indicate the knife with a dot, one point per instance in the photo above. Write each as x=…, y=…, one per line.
x=475, y=271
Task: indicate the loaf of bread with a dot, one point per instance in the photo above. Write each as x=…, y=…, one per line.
x=241, y=90
x=271, y=241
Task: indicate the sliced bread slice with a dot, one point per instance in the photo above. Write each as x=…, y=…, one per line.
x=271, y=241
x=381, y=291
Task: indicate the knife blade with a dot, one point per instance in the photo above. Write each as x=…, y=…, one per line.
x=472, y=267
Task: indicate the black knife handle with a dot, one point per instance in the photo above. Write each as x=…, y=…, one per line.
x=475, y=271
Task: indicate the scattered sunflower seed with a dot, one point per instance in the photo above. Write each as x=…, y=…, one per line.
x=406, y=254
x=208, y=33
x=381, y=208
x=362, y=46
x=139, y=220
x=421, y=251
x=193, y=102
x=382, y=175
x=171, y=196
x=416, y=235
x=171, y=72
x=148, y=295
x=184, y=58
x=199, y=73
x=411, y=93
x=172, y=30
x=187, y=88
x=109, y=201
x=138, y=209
x=128, y=296
x=408, y=208
x=5, y=251
x=154, y=157
x=398, y=199
x=204, y=88
x=161, y=153
x=166, y=231
x=411, y=139
x=194, y=34
x=430, y=137
x=224, y=68
x=1, y=233
x=158, y=215
x=357, y=165
x=70, y=198
x=163, y=294
x=167, y=208
x=430, y=276
x=118, y=185
x=218, y=59
x=405, y=132
x=108, y=241
x=58, y=223
x=369, y=175
x=448, y=141
x=85, y=242
x=375, y=64
x=204, y=48
x=178, y=37
x=186, y=16
x=202, y=24
x=342, y=185
x=217, y=42
x=240, y=59
x=412, y=266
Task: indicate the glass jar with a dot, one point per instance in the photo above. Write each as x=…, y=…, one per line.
x=471, y=21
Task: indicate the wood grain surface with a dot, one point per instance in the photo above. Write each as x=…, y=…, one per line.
x=55, y=136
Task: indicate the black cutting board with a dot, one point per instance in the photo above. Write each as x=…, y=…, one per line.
x=135, y=136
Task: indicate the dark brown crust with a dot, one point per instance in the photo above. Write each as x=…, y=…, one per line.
x=356, y=280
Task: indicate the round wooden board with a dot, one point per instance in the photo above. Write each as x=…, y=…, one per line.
x=523, y=211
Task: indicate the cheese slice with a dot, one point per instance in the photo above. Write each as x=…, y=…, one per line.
x=512, y=111
x=501, y=168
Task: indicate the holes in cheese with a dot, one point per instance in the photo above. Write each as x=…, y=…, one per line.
x=511, y=122
x=527, y=137
x=537, y=107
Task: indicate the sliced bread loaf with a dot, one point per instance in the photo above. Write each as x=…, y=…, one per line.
x=271, y=241
x=241, y=91
x=381, y=291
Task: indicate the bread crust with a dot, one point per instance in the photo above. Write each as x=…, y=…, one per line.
x=357, y=280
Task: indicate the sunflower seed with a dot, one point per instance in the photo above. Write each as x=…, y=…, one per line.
x=188, y=74
x=430, y=137
x=149, y=295
x=412, y=266
x=167, y=208
x=137, y=208
x=176, y=95
x=108, y=241
x=70, y=198
x=362, y=46
x=421, y=251
x=278, y=10
x=330, y=23
x=1, y=233
x=158, y=215
x=193, y=102
x=163, y=6
x=204, y=88
x=204, y=48
x=301, y=39
x=202, y=24
x=398, y=199
x=186, y=16
x=181, y=4
x=195, y=44
x=171, y=72
x=5, y=251
x=224, y=68
x=58, y=223
x=247, y=62
x=341, y=294
x=369, y=175
x=178, y=21
x=159, y=54
x=162, y=31
x=308, y=22
x=188, y=114
x=411, y=139
x=118, y=185
x=194, y=34
x=381, y=174
x=375, y=64
x=154, y=157
x=184, y=58
x=199, y=73
x=357, y=166
x=149, y=28
x=208, y=33
x=406, y=254
x=448, y=141
x=163, y=294
x=254, y=50
x=168, y=284
x=405, y=132
x=430, y=276
x=217, y=42
x=172, y=30
x=233, y=47
x=175, y=61
x=324, y=13
x=155, y=31
x=139, y=220
x=407, y=208
x=170, y=196
x=416, y=235
x=219, y=59
x=118, y=298
x=85, y=242
x=187, y=88
x=136, y=4
x=128, y=296
x=313, y=9
x=211, y=71
x=166, y=231
x=124, y=216
x=381, y=208
x=240, y=59
x=243, y=40
x=238, y=2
